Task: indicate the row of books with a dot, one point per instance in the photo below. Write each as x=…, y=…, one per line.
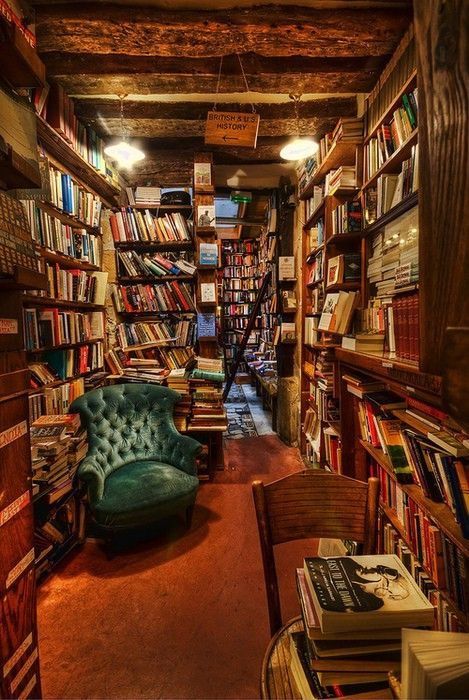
x=425, y=544
x=133, y=225
x=165, y=297
x=242, y=296
x=236, y=284
x=238, y=309
x=390, y=137
x=393, y=264
x=174, y=333
x=345, y=267
x=315, y=235
x=59, y=111
x=134, y=264
x=445, y=618
x=240, y=271
x=69, y=196
x=51, y=233
x=391, y=189
x=347, y=218
x=332, y=450
x=397, y=318
x=72, y=362
x=51, y=327
x=233, y=323
x=313, y=202
x=245, y=246
x=75, y=285
x=240, y=259
x=316, y=270
x=53, y=399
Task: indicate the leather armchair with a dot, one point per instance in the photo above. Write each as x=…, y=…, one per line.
x=138, y=469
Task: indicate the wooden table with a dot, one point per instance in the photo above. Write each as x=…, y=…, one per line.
x=277, y=679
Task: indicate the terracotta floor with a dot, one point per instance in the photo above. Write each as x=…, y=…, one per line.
x=181, y=616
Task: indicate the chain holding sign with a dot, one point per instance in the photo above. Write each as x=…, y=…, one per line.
x=232, y=129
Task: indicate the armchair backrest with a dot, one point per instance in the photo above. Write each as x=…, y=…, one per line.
x=127, y=422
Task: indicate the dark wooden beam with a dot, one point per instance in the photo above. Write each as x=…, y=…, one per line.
x=278, y=31
x=137, y=109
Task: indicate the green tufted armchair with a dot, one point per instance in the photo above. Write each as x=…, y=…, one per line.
x=138, y=469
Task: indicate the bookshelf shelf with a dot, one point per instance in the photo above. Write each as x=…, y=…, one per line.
x=342, y=238
x=24, y=279
x=167, y=246
x=409, y=85
x=47, y=301
x=405, y=205
x=341, y=153
x=312, y=254
x=60, y=382
x=62, y=151
x=157, y=313
x=64, y=346
x=394, y=161
x=311, y=220
x=343, y=286
x=155, y=280
x=67, y=219
x=439, y=512
x=21, y=65
x=315, y=283
x=164, y=207
x=67, y=261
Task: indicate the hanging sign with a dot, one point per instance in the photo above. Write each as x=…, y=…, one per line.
x=232, y=129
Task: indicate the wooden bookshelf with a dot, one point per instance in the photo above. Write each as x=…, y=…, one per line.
x=155, y=280
x=404, y=206
x=62, y=151
x=62, y=303
x=392, y=164
x=67, y=219
x=66, y=261
x=340, y=153
x=21, y=65
x=155, y=246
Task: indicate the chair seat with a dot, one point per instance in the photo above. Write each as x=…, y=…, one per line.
x=138, y=491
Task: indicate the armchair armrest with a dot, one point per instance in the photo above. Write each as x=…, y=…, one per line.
x=91, y=472
x=183, y=451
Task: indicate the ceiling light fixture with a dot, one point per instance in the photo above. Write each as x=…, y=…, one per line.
x=123, y=152
x=300, y=147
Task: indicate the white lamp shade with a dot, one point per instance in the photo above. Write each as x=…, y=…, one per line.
x=125, y=154
x=299, y=148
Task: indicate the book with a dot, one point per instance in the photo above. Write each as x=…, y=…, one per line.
x=206, y=215
x=364, y=342
x=434, y=664
x=202, y=175
x=375, y=590
x=206, y=325
x=287, y=332
x=208, y=254
x=207, y=292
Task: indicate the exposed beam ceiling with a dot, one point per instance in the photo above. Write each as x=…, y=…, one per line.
x=166, y=57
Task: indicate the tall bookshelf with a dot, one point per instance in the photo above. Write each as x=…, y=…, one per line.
x=422, y=517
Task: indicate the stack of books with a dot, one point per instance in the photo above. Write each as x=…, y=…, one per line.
x=178, y=380
x=208, y=412
x=344, y=177
x=141, y=336
x=58, y=445
x=353, y=609
x=144, y=196
x=312, y=203
x=348, y=129
x=69, y=196
x=133, y=264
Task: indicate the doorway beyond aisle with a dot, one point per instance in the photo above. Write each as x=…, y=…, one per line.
x=246, y=415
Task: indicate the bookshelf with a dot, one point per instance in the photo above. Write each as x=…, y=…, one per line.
x=425, y=527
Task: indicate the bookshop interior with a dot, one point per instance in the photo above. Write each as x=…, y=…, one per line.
x=234, y=314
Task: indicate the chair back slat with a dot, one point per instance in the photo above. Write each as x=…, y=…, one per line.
x=311, y=504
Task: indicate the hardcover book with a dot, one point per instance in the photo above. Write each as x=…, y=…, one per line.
x=375, y=591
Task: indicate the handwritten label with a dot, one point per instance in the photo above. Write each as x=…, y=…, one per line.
x=13, y=508
x=387, y=364
x=13, y=433
x=27, y=689
x=23, y=671
x=13, y=660
x=20, y=567
x=8, y=326
x=232, y=129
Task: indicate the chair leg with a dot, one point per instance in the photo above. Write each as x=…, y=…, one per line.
x=189, y=514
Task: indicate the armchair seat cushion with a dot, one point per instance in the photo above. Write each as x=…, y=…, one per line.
x=143, y=491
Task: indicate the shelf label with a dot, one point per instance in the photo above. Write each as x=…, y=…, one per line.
x=387, y=364
x=23, y=671
x=13, y=508
x=14, y=433
x=410, y=389
x=20, y=567
x=8, y=326
x=13, y=660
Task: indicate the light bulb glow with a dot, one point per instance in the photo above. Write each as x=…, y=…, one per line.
x=299, y=148
x=125, y=154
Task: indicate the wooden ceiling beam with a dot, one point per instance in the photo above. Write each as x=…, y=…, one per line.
x=190, y=111
x=282, y=31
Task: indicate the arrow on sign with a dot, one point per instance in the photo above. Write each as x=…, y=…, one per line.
x=230, y=138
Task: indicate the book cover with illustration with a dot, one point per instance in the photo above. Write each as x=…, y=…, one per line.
x=375, y=590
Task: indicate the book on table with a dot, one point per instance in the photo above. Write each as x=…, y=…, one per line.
x=375, y=590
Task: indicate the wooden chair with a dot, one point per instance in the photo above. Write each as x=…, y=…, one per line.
x=312, y=503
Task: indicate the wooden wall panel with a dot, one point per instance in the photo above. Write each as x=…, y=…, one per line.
x=442, y=46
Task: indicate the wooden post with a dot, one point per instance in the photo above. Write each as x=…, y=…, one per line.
x=443, y=90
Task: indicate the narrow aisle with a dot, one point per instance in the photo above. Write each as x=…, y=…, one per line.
x=182, y=616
